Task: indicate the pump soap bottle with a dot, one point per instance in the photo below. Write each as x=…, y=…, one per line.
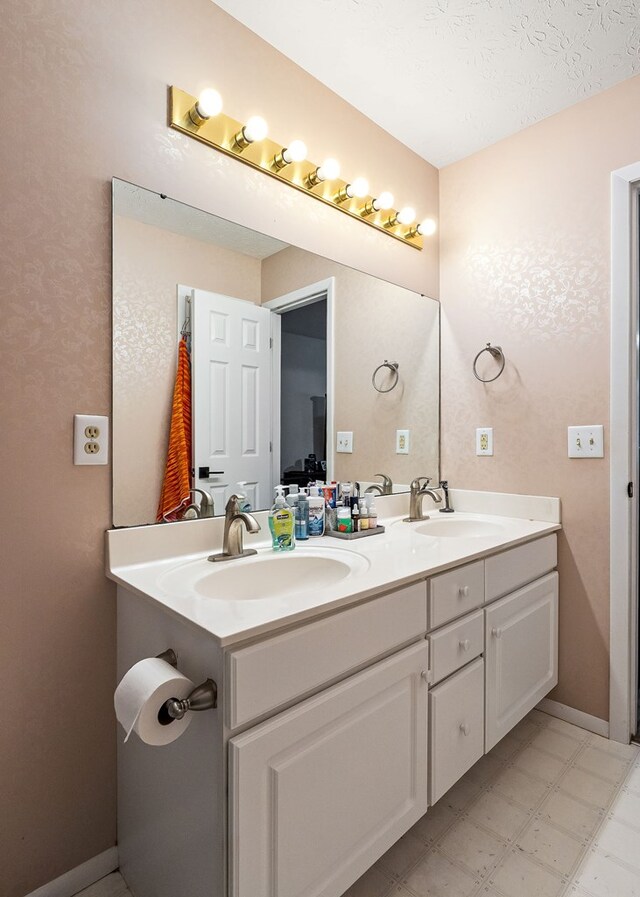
x=282, y=523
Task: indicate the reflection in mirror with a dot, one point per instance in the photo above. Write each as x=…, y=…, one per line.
x=240, y=362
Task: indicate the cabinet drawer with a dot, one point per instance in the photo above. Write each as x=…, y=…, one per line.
x=318, y=793
x=455, y=593
x=456, y=645
x=456, y=721
x=518, y=566
x=265, y=676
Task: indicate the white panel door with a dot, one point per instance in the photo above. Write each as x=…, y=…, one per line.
x=232, y=397
x=521, y=655
x=319, y=792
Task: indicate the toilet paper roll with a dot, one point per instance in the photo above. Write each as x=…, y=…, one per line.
x=140, y=695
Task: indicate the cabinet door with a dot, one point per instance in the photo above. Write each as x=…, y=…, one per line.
x=521, y=654
x=456, y=721
x=320, y=791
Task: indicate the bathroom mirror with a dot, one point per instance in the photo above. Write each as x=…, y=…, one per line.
x=294, y=367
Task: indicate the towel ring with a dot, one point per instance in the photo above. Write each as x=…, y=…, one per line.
x=495, y=352
x=393, y=367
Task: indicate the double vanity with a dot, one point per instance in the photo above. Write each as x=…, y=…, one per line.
x=357, y=682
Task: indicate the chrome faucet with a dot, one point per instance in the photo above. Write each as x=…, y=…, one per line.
x=383, y=488
x=204, y=509
x=232, y=542
x=420, y=488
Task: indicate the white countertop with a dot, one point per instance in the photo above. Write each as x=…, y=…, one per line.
x=139, y=559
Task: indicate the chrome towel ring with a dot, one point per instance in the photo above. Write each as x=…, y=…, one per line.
x=393, y=367
x=497, y=353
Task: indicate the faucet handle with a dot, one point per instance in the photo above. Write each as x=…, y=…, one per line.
x=416, y=483
x=233, y=505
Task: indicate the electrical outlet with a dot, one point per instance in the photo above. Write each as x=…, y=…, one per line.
x=484, y=441
x=586, y=442
x=402, y=442
x=344, y=442
x=90, y=439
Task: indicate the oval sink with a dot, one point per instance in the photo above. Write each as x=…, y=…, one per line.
x=267, y=575
x=458, y=528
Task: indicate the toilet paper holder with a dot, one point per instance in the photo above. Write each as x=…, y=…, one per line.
x=203, y=696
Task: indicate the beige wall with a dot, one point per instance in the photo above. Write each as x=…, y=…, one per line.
x=374, y=320
x=525, y=264
x=148, y=262
x=84, y=87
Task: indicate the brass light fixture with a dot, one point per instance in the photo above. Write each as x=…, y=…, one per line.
x=203, y=119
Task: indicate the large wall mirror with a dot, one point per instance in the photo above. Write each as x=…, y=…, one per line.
x=279, y=347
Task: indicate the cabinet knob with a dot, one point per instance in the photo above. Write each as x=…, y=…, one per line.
x=496, y=632
x=465, y=644
x=463, y=591
x=425, y=675
x=464, y=728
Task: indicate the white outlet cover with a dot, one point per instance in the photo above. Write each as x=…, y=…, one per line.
x=586, y=441
x=402, y=442
x=484, y=441
x=344, y=442
x=87, y=447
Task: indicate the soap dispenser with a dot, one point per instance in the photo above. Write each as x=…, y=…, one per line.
x=282, y=523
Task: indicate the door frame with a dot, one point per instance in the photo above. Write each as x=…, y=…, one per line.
x=623, y=438
x=314, y=292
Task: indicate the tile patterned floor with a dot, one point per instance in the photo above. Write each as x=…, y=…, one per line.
x=552, y=811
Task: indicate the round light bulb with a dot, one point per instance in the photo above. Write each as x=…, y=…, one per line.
x=427, y=227
x=255, y=129
x=295, y=152
x=383, y=202
x=329, y=170
x=209, y=103
x=407, y=215
x=358, y=187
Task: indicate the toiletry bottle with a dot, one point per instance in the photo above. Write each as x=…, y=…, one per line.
x=355, y=518
x=292, y=497
x=281, y=523
x=364, y=515
x=373, y=515
x=345, y=493
x=302, y=517
x=344, y=519
x=316, y=512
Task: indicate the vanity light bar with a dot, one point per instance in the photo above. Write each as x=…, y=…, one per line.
x=203, y=119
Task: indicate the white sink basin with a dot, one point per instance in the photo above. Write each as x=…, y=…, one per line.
x=461, y=529
x=265, y=575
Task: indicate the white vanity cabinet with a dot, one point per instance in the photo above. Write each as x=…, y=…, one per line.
x=320, y=791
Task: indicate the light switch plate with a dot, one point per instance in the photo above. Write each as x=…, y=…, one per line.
x=484, y=441
x=90, y=439
x=586, y=441
x=344, y=441
x=402, y=442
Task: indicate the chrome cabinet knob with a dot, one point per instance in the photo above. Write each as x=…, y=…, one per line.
x=465, y=644
x=496, y=632
x=425, y=675
x=464, y=728
x=463, y=591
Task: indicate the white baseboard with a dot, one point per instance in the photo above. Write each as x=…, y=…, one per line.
x=81, y=877
x=577, y=717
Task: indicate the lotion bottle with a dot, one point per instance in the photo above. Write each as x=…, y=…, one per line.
x=316, y=512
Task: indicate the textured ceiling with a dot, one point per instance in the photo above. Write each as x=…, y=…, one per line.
x=448, y=77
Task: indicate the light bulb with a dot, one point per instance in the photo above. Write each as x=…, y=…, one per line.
x=358, y=187
x=406, y=215
x=295, y=152
x=383, y=202
x=427, y=227
x=255, y=129
x=329, y=170
x=209, y=103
